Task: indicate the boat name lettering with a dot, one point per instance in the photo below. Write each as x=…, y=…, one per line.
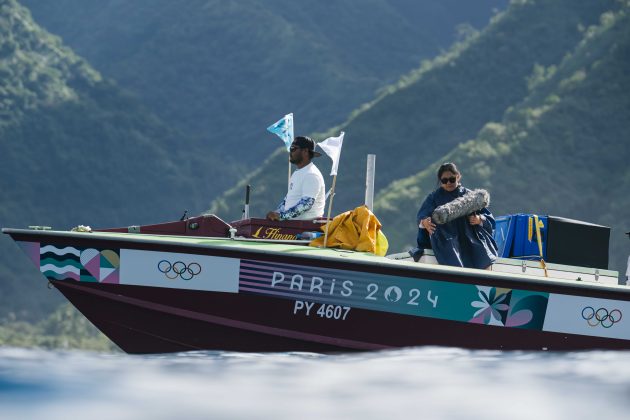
x=273, y=233
x=323, y=311
x=346, y=288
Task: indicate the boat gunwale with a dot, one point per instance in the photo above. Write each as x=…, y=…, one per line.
x=517, y=262
x=153, y=239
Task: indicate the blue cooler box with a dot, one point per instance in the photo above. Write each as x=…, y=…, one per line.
x=525, y=239
x=515, y=235
x=504, y=235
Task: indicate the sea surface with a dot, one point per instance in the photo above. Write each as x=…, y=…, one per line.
x=415, y=383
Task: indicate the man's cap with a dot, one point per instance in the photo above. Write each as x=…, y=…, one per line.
x=305, y=142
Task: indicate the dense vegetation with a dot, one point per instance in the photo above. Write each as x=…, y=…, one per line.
x=74, y=149
x=563, y=150
x=446, y=102
x=65, y=328
x=441, y=104
x=223, y=71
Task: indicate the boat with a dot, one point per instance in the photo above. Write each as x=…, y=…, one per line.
x=254, y=286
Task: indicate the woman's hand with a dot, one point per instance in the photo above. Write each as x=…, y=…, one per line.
x=476, y=219
x=428, y=225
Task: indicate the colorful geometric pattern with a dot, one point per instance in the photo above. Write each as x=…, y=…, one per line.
x=102, y=266
x=89, y=264
x=59, y=263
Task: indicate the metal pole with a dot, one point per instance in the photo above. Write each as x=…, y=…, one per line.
x=332, y=195
x=289, y=177
x=369, y=181
x=246, y=208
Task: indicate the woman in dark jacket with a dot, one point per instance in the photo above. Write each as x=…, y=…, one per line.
x=463, y=242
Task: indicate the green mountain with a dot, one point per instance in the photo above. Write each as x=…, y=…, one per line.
x=446, y=102
x=224, y=71
x=198, y=77
x=563, y=150
x=74, y=149
x=65, y=328
x=441, y=104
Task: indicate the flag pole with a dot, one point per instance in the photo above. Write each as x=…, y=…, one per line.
x=332, y=196
x=292, y=137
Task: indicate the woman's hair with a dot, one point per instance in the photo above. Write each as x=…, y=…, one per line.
x=447, y=167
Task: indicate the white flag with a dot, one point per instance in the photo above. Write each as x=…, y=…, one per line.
x=332, y=147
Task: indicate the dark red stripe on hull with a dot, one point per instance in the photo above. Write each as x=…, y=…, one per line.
x=155, y=320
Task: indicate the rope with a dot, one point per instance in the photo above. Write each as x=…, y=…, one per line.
x=539, y=240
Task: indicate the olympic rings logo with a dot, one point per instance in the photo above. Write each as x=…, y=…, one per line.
x=601, y=316
x=179, y=269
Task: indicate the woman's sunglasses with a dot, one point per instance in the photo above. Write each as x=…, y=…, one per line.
x=447, y=180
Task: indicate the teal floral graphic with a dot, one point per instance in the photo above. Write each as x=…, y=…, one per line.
x=509, y=308
x=492, y=305
x=527, y=310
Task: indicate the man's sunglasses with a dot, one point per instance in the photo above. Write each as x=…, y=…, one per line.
x=447, y=180
x=294, y=148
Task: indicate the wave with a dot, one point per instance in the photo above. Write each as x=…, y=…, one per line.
x=59, y=251
x=59, y=262
x=61, y=276
x=60, y=270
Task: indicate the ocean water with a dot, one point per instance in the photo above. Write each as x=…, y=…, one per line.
x=422, y=383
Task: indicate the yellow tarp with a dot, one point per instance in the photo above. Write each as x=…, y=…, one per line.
x=357, y=229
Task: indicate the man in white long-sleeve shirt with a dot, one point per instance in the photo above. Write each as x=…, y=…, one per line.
x=306, y=197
